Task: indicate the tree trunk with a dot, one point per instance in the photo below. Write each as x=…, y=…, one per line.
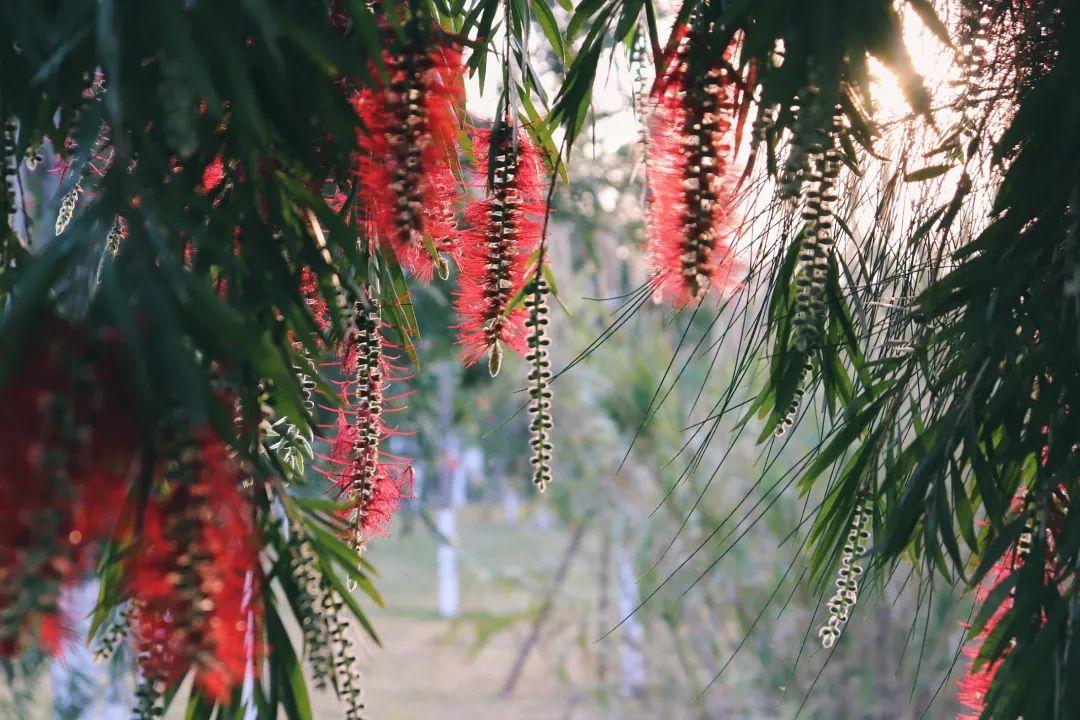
x=545, y=609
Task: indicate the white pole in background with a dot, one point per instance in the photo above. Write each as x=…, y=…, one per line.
x=451, y=495
x=631, y=657
x=449, y=590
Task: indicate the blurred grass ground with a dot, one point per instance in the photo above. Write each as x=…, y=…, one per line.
x=431, y=668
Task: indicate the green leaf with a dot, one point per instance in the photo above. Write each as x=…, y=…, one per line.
x=585, y=9
x=546, y=20
x=288, y=673
x=927, y=173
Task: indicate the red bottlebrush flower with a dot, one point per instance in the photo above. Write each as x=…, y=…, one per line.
x=691, y=150
x=69, y=449
x=192, y=578
x=504, y=231
x=408, y=142
x=371, y=481
x=309, y=287
x=212, y=175
x=975, y=684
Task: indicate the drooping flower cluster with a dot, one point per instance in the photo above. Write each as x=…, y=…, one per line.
x=816, y=237
x=843, y=601
x=370, y=481
x=9, y=168
x=408, y=139
x=690, y=157
x=792, y=411
x=976, y=682
x=212, y=176
x=504, y=229
x=539, y=379
x=973, y=687
x=192, y=580
x=327, y=637
x=810, y=174
x=69, y=448
x=320, y=310
x=99, y=159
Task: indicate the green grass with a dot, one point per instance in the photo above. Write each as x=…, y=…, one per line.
x=431, y=668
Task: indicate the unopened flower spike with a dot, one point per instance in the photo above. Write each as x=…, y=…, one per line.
x=539, y=378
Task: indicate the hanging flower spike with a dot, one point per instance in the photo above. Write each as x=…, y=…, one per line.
x=812, y=170
x=975, y=684
x=792, y=412
x=973, y=687
x=847, y=576
x=212, y=176
x=539, y=383
x=9, y=168
x=320, y=310
x=408, y=137
x=68, y=205
x=115, y=237
x=690, y=154
x=313, y=622
x=198, y=550
x=68, y=454
x=504, y=231
x=99, y=160
x=370, y=481
x=816, y=237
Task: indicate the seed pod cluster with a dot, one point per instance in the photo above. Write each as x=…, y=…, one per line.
x=640, y=69
x=346, y=671
x=788, y=420
x=115, y=633
x=281, y=437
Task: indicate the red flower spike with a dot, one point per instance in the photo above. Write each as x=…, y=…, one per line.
x=309, y=287
x=505, y=226
x=212, y=175
x=372, y=482
x=691, y=216
x=408, y=142
x=69, y=450
x=974, y=686
x=190, y=582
